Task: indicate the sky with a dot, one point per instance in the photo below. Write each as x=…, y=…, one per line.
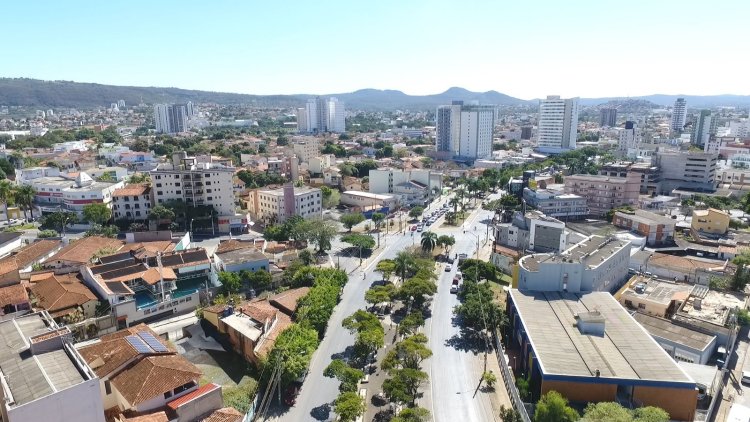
x=526, y=49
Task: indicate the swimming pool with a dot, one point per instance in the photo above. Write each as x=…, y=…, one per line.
x=144, y=299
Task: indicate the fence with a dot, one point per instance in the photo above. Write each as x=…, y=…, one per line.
x=509, y=381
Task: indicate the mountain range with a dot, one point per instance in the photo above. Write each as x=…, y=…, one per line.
x=44, y=94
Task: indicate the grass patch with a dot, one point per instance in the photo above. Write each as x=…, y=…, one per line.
x=498, y=293
x=19, y=228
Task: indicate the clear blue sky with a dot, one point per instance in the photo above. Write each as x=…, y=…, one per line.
x=526, y=49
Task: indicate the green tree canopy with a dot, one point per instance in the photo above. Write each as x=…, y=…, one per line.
x=380, y=294
x=97, y=213
x=413, y=414
x=429, y=241
x=349, y=406
x=404, y=384
x=348, y=376
x=294, y=348
x=364, y=241
x=553, y=407
x=416, y=212
x=350, y=220
x=321, y=235
x=386, y=267
x=230, y=282
x=411, y=323
x=407, y=353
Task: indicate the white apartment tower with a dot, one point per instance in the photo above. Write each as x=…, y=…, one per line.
x=321, y=115
x=465, y=131
x=336, y=118
x=629, y=138
x=679, y=115
x=171, y=118
x=704, y=127
x=558, y=124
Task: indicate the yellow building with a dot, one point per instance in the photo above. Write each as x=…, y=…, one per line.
x=710, y=221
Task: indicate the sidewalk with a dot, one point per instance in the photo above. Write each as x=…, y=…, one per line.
x=374, y=385
x=733, y=388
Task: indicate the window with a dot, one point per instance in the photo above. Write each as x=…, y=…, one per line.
x=641, y=306
x=107, y=387
x=167, y=395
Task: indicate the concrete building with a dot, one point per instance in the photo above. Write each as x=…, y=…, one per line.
x=55, y=193
x=236, y=255
x=589, y=349
x=594, y=264
x=557, y=204
x=170, y=118
x=465, y=131
x=711, y=312
x=602, y=192
x=43, y=377
x=558, y=124
x=316, y=165
x=532, y=231
x=657, y=229
x=321, y=115
x=274, y=206
x=628, y=138
x=365, y=201
x=132, y=202
x=679, y=115
x=711, y=221
x=681, y=268
x=704, y=128
x=608, y=117
x=411, y=186
x=195, y=183
x=651, y=296
x=681, y=343
x=307, y=149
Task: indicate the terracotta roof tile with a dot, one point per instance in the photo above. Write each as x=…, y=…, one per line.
x=13, y=295
x=287, y=300
x=226, y=414
x=176, y=403
x=82, y=250
x=216, y=309
x=25, y=256
x=112, y=351
x=233, y=245
x=153, y=417
x=151, y=276
x=152, y=376
x=686, y=264
x=61, y=292
x=259, y=310
x=132, y=190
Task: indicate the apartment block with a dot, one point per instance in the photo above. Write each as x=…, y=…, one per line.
x=649, y=175
x=55, y=193
x=532, y=231
x=657, y=229
x=132, y=202
x=272, y=206
x=465, y=131
x=602, y=192
x=558, y=124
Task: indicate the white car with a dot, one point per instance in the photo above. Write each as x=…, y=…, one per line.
x=745, y=377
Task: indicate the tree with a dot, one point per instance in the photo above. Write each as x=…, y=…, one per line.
x=43, y=234
x=386, y=267
x=429, y=241
x=362, y=241
x=348, y=376
x=139, y=178
x=24, y=197
x=404, y=385
x=650, y=414
x=349, y=406
x=306, y=257
x=350, y=220
x=137, y=227
x=6, y=195
x=331, y=197
x=509, y=414
x=410, y=323
x=322, y=234
x=97, y=213
x=59, y=220
x=417, y=288
x=606, y=411
x=413, y=414
x=489, y=378
x=553, y=407
x=404, y=264
x=478, y=310
x=416, y=212
x=369, y=330
x=377, y=219
x=407, y=353
x=293, y=350
x=380, y=294
x=446, y=241
x=160, y=212
x=230, y=282
x=260, y=280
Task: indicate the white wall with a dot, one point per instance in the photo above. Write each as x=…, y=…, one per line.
x=8, y=247
x=80, y=403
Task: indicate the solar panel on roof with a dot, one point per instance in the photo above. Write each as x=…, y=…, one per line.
x=153, y=342
x=138, y=344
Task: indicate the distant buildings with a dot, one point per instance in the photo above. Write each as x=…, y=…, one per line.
x=558, y=124
x=704, y=128
x=321, y=115
x=465, y=131
x=608, y=117
x=629, y=138
x=679, y=115
x=171, y=118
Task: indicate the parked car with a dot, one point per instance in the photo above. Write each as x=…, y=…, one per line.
x=413, y=228
x=448, y=268
x=745, y=377
x=454, y=287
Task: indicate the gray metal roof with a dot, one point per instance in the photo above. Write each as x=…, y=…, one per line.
x=667, y=330
x=625, y=351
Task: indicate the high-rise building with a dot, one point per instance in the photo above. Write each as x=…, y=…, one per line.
x=465, y=131
x=608, y=117
x=704, y=127
x=679, y=114
x=321, y=115
x=189, y=109
x=558, y=124
x=170, y=118
x=628, y=138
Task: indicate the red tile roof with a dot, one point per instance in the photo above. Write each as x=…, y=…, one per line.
x=132, y=190
x=81, y=250
x=174, y=404
x=153, y=376
x=13, y=295
x=226, y=414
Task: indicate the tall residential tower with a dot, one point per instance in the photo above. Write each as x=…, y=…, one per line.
x=558, y=124
x=465, y=131
x=321, y=115
x=679, y=115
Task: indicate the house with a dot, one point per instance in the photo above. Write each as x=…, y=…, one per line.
x=651, y=296
x=44, y=376
x=710, y=221
x=197, y=404
x=63, y=295
x=657, y=229
x=252, y=327
x=23, y=260
x=287, y=300
x=687, y=269
x=9, y=241
x=80, y=252
x=225, y=414
x=138, y=371
x=237, y=255
x=13, y=298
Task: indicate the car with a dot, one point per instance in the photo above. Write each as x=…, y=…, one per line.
x=456, y=279
x=420, y=228
x=413, y=228
x=448, y=268
x=460, y=276
x=454, y=287
x=745, y=377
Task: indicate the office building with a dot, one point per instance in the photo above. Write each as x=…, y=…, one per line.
x=43, y=377
x=587, y=347
x=321, y=115
x=274, y=206
x=679, y=115
x=532, y=231
x=692, y=171
x=409, y=186
x=704, y=127
x=56, y=193
x=593, y=265
x=171, y=118
x=558, y=124
x=465, y=131
x=602, y=192
x=608, y=117
x=657, y=229
x=555, y=203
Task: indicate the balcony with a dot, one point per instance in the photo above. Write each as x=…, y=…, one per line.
x=199, y=192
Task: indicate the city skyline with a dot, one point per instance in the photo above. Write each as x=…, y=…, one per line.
x=526, y=51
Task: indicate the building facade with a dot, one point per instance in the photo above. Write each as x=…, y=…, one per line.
x=558, y=124
x=322, y=115
x=171, y=118
x=679, y=115
x=694, y=171
x=132, y=202
x=608, y=117
x=413, y=186
x=557, y=204
x=55, y=193
x=657, y=229
x=465, y=131
x=277, y=205
x=602, y=192
x=704, y=127
x=533, y=231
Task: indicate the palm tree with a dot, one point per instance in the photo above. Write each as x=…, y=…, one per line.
x=25, y=198
x=377, y=219
x=404, y=262
x=429, y=241
x=6, y=195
